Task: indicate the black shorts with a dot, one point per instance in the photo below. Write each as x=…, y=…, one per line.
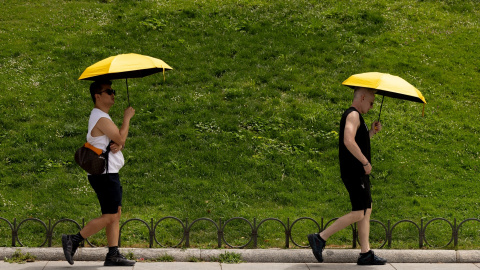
x=359, y=190
x=109, y=191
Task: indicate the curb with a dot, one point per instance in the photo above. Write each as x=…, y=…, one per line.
x=257, y=255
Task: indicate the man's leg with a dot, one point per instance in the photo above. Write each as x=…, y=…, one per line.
x=98, y=224
x=342, y=223
x=367, y=256
x=317, y=241
x=364, y=231
x=113, y=229
x=70, y=243
x=114, y=258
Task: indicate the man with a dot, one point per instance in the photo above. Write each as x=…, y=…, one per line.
x=102, y=132
x=355, y=168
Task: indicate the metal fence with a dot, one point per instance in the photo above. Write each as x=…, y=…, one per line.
x=221, y=227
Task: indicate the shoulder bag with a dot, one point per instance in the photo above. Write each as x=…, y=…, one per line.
x=92, y=159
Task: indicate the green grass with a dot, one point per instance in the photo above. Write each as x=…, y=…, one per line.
x=246, y=124
x=19, y=257
x=228, y=257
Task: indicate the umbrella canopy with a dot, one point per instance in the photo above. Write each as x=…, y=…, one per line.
x=124, y=66
x=386, y=85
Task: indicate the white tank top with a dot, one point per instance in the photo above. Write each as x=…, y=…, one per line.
x=115, y=161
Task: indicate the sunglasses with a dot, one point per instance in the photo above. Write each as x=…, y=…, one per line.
x=108, y=91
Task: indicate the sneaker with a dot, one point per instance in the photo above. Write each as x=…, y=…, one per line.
x=117, y=260
x=370, y=258
x=317, y=244
x=74, y=248
x=68, y=248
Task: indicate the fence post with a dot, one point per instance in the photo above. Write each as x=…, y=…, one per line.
x=389, y=234
x=186, y=233
x=288, y=233
x=14, y=232
x=49, y=233
x=152, y=233
x=455, y=234
x=220, y=233
x=82, y=244
x=421, y=234
x=255, y=233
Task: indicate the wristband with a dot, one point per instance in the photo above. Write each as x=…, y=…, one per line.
x=366, y=164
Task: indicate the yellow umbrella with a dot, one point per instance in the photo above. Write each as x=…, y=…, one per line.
x=124, y=66
x=386, y=85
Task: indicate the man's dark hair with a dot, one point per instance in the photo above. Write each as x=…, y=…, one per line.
x=96, y=87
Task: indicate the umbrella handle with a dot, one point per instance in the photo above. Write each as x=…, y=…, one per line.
x=380, y=112
x=128, y=95
x=380, y=109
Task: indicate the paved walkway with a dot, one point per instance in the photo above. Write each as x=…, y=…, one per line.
x=255, y=255
x=253, y=259
x=93, y=265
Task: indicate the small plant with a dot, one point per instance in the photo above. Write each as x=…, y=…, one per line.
x=19, y=257
x=165, y=258
x=130, y=256
x=229, y=257
x=195, y=259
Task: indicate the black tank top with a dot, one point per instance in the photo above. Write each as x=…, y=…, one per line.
x=350, y=166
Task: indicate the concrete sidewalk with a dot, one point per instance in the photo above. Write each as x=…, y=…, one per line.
x=256, y=255
x=253, y=259
x=92, y=265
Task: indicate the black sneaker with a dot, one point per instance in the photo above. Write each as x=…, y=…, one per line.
x=317, y=245
x=74, y=248
x=68, y=248
x=117, y=260
x=370, y=258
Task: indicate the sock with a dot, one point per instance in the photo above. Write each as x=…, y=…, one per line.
x=112, y=250
x=366, y=253
x=322, y=239
x=77, y=238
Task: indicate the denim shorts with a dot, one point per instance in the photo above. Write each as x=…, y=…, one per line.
x=109, y=191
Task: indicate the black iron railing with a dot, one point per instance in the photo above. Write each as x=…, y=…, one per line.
x=220, y=226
